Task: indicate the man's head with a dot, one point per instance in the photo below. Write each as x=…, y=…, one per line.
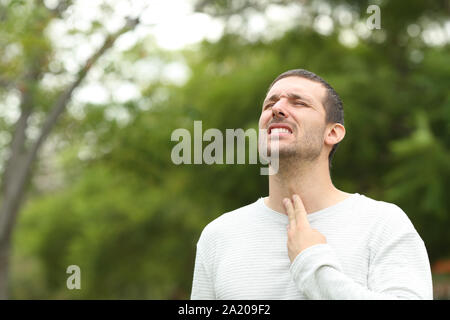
x=310, y=109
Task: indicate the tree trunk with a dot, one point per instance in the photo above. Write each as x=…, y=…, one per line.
x=4, y=268
x=16, y=177
x=13, y=192
x=12, y=207
x=18, y=167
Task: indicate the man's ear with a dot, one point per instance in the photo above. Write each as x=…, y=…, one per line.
x=334, y=133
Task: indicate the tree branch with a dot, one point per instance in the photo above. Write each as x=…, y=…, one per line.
x=64, y=98
x=19, y=137
x=12, y=175
x=22, y=168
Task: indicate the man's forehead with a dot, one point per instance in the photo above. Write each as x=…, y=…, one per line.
x=303, y=87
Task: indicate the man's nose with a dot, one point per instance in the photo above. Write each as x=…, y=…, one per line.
x=278, y=109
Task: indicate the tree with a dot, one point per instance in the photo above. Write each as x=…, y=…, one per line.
x=23, y=151
x=130, y=217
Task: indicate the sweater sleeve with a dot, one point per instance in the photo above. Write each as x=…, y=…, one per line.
x=202, y=286
x=398, y=269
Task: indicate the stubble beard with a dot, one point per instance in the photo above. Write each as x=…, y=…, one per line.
x=307, y=148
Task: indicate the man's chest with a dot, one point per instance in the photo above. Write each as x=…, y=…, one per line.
x=258, y=267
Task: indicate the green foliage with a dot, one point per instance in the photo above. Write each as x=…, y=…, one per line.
x=130, y=218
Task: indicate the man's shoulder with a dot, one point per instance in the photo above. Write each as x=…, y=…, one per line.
x=379, y=206
x=383, y=212
x=233, y=217
x=230, y=220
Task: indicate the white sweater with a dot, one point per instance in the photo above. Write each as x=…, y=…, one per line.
x=373, y=252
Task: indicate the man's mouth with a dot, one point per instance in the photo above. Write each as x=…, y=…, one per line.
x=279, y=129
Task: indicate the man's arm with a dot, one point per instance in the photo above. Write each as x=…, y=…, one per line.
x=399, y=266
x=318, y=274
x=202, y=286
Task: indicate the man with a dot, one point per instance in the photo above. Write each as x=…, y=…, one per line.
x=307, y=239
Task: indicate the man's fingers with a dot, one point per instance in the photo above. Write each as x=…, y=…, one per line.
x=290, y=211
x=300, y=211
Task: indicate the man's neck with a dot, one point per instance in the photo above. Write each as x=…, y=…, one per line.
x=310, y=181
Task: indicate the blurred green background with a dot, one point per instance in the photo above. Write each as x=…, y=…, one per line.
x=102, y=192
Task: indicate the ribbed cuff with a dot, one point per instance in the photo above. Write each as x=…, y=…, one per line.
x=303, y=268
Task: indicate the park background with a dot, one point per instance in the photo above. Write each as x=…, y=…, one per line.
x=90, y=92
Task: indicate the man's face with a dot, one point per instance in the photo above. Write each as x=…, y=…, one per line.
x=296, y=104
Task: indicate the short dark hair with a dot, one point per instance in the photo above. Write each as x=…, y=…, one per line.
x=333, y=104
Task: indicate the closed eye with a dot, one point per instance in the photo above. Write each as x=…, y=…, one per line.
x=300, y=103
x=297, y=103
